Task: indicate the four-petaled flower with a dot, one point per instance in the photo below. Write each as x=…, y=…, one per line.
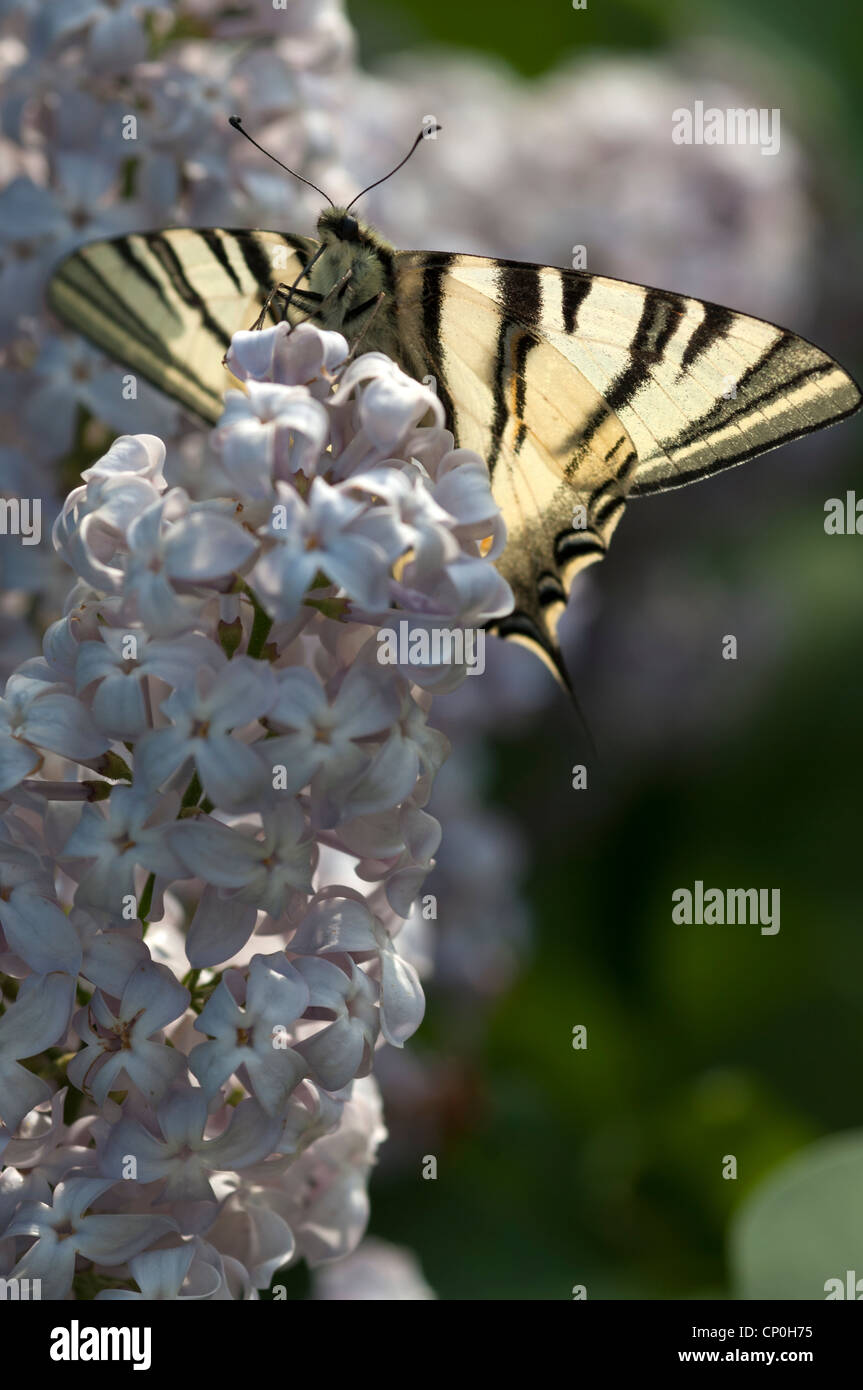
x=261, y=870
x=184, y=1157
x=66, y=1229
x=120, y=1047
x=349, y=542
x=254, y=1038
x=135, y=829
x=202, y=717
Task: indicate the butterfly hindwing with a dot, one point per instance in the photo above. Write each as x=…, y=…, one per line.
x=513, y=396
x=166, y=303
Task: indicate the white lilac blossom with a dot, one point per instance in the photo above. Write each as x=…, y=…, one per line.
x=377, y=1271
x=199, y=734
x=114, y=121
x=128, y=831
x=193, y=1270
x=37, y=717
x=330, y=533
x=260, y=868
x=215, y=829
x=66, y=1229
x=122, y=1048
x=37, y=1019
x=183, y=1156
x=116, y=667
x=254, y=1038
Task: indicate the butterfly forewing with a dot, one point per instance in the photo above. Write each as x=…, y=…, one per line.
x=657, y=390
x=166, y=303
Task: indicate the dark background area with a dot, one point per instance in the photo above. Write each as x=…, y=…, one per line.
x=604, y=1167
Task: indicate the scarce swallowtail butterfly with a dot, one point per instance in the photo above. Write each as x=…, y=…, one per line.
x=579, y=391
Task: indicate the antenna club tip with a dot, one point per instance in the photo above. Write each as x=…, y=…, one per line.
x=235, y=121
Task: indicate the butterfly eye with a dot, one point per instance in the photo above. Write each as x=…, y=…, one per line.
x=349, y=229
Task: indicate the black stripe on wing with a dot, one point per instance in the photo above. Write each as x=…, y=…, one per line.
x=215, y=240
x=713, y=327
x=660, y=316
x=432, y=323
x=114, y=308
x=574, y=288
x=520, y=299
x=520, y=625
x=173, y=268
x=129, y=256
x=772, y=378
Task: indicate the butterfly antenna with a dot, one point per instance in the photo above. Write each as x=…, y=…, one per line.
x=237, y=123
x=432, y=130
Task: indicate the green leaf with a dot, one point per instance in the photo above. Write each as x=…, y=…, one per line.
x=803, y=1225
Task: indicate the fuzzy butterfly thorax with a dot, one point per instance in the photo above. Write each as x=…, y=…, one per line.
x=579, y=391
x=351, y=285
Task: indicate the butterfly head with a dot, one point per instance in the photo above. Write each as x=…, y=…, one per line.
x=350, y=270
x=337, y=224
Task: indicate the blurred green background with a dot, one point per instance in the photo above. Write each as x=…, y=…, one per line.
x=603, y=1167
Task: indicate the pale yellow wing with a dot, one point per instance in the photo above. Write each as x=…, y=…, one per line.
x=166, y=303
x=580, y=390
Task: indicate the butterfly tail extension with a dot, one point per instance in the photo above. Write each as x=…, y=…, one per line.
x=539, y=636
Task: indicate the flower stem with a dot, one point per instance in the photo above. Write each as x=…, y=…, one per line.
x=146, y=903
x=192, y=794
x=261, y=623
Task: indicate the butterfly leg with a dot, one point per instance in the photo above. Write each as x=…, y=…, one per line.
x=265, y=308
x=288, y=292
x=331, y=295
x=364, y=330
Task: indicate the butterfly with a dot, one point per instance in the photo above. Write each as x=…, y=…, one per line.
x=579, y=391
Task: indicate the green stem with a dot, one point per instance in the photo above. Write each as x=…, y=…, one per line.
x=192, y=794
x=261, y=623
x=72, y=1105
x=146, y=903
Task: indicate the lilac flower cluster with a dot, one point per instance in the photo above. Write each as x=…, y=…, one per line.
x=113, y=118
x=73, y=167
x=214, y=827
